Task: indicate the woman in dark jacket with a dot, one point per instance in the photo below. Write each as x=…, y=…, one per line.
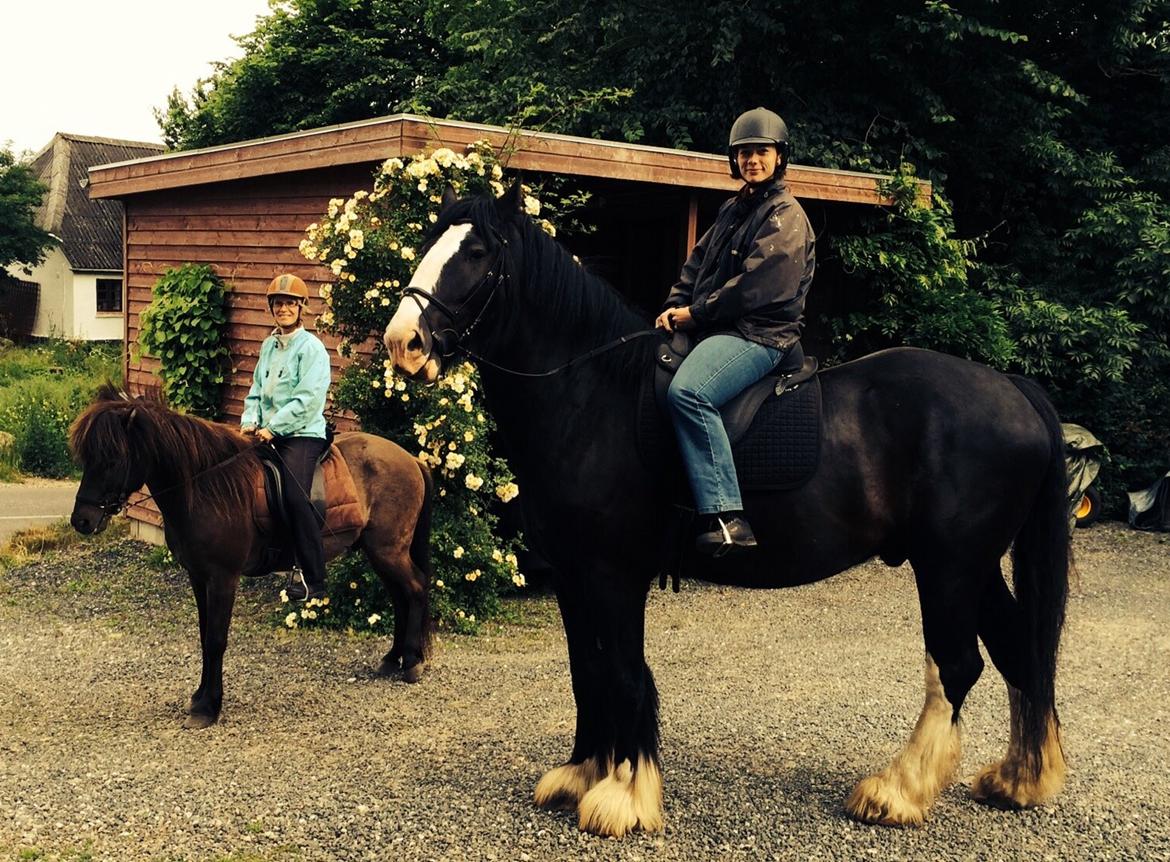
x=742, y=292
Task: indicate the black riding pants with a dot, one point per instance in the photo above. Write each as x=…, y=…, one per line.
x=298, y=458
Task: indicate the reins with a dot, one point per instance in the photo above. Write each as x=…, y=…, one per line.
x=597, y=351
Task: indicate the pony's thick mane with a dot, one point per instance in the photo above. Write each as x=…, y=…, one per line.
x=210, y=463
x=582, y=308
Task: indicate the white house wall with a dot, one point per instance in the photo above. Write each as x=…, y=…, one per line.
x=68, y=301
x=55, y=278
x=88, y=324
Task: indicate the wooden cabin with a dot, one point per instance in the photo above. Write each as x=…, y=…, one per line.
x=243, y=208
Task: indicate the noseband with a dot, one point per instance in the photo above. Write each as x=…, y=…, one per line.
x=496, y=276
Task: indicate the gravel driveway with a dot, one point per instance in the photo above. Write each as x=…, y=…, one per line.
x=773, y=705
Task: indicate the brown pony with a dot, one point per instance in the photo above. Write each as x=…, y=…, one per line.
x=204, y=476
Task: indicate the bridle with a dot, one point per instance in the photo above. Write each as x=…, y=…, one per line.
x=495, y=277
x=112, y=504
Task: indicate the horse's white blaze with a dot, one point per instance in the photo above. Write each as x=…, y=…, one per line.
x=902, y=793
x=1009, y=782
x=564, y=786
x=407, y=320
x=426, y=275
x=624, y=800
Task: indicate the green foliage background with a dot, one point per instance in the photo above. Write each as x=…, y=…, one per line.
x=42, y=388
x=183, y=327
x=1044, y=126
x=21, y=241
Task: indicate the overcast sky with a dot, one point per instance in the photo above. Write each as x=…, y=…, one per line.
x=100, y=67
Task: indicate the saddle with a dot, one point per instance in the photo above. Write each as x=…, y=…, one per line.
x=773, y=425
x=333, y=495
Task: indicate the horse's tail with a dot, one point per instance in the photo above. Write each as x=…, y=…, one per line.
x=420, y=555
x=1040, y=564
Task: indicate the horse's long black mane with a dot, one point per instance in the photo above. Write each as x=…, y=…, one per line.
x=556, y=291
x=211, y=463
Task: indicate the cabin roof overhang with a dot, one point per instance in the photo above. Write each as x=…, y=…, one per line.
x=403, y=134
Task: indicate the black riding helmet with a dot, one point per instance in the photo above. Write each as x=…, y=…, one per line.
x=758, y=126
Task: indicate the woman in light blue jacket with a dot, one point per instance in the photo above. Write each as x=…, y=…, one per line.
x=286, y=407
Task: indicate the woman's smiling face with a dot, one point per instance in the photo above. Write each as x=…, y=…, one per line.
x=757, y=162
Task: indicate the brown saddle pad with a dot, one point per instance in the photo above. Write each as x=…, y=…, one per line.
x=343, y=511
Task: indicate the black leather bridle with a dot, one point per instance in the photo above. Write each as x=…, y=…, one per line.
x=495, y=277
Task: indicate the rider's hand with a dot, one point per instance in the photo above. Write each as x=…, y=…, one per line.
x=265, y=435
x=248, y=430
x=675, y=318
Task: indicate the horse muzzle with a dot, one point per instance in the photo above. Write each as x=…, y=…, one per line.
x=410, y=345
x=87, y=519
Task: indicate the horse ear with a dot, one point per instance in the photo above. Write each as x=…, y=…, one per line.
x=449, y=197
x=512, y=203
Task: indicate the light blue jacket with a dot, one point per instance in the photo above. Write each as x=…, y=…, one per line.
x=289, y=386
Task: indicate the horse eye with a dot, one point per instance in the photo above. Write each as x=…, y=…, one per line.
x=477, y=252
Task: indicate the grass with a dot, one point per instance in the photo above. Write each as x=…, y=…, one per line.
x=28, y=545
x=42, y=389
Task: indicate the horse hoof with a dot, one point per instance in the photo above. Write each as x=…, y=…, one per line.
x=563, y=787
x=1001, y=785
x=413, y=673
x=388, y=668
x=199, y=721
x=624, y=800
x=876, y=801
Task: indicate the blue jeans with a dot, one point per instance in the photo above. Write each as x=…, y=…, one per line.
x=715, y=371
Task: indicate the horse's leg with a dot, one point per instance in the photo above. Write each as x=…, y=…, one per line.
x=407, y=586
x=392, y=661
x=1010, y=783
x=219, y=596
x=199, y=588
x=902, y=793
x=564, y=785
x=629, y=795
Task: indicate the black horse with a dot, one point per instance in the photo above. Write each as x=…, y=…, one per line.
x=924, y=457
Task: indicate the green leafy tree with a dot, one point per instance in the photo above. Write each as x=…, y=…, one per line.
x=309, y=63
x=21, y=241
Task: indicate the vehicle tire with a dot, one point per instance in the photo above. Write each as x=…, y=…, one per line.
x=1088, y=512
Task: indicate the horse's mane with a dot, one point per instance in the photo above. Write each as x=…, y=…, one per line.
x=194, y=453
x=584, y=309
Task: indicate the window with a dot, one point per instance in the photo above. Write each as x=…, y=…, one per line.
x=109, y=295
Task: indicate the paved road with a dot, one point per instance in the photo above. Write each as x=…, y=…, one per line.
x=34, y=504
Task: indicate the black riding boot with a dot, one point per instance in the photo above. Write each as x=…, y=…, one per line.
x=728, y=532
x=298, y=459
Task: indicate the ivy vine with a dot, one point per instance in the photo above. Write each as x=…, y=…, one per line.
x=184, y=328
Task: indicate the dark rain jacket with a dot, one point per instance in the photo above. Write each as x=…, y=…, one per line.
x=750, y=273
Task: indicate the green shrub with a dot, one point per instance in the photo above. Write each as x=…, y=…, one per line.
x=42, y=388
x=183, y=327
x=38, y=412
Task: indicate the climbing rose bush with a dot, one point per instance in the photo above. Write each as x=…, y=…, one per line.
x=371, y=243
